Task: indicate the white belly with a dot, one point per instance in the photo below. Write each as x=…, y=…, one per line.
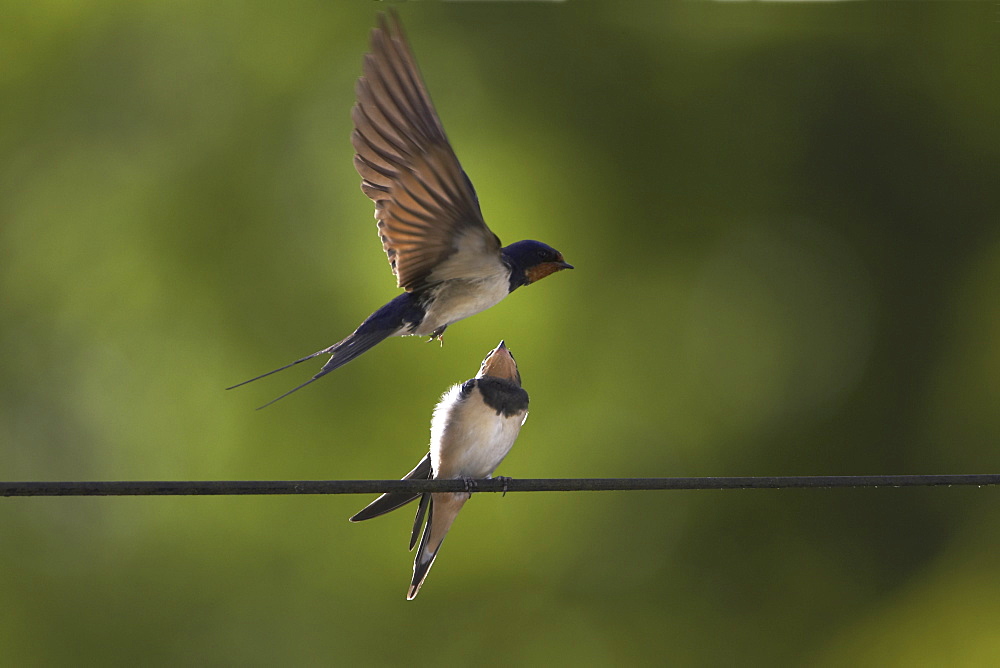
x=458, y=299
x=468, y=438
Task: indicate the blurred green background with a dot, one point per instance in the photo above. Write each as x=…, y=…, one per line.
x=784, y=220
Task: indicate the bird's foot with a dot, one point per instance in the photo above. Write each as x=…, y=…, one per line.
x=438, y=334
x=506, y=481
x=470, y=485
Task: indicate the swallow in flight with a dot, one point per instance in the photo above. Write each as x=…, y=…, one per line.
x=450, y=264
x=473, y=428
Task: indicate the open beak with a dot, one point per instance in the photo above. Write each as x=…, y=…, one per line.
x=500, y=364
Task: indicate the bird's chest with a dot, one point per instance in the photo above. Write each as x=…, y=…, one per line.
x=460, y=298
x=473, y=441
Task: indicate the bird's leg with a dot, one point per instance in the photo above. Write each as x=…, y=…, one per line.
x=438, y=334
x=505, y=480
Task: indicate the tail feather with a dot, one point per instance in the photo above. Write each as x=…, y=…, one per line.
x=425, y=556
x=287, y=366
x=399, y=316
x=442, y=511
x=294, y=389
x=418, y=519
x=361, y=341
x=392, y=500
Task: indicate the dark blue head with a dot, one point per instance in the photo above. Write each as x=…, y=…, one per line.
x=530, y=261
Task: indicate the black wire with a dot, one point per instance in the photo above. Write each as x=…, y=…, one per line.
x=227, y=487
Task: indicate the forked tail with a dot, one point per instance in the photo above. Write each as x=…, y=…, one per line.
x=442, y=512
x=363, y=339
x=399, y=316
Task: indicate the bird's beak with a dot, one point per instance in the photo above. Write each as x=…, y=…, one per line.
x=500, y=364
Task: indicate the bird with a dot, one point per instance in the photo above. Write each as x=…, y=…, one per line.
x=445, y=258
x=474, y=426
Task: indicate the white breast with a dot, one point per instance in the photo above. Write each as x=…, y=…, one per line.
x=458, y=299
x=472, y=280
x=468, y=438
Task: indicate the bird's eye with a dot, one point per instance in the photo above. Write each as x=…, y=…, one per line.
x=543, y=254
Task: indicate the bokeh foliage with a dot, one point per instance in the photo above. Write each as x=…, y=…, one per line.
x=785, y=225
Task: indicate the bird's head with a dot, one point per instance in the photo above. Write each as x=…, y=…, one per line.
x=499, y=363
x=532, y=261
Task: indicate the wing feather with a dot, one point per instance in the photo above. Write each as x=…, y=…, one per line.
x=424, y=201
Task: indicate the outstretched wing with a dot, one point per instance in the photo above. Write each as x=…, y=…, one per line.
x=426, y=207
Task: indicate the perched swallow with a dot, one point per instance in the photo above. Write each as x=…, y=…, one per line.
x=473, y=428
x=449, y=263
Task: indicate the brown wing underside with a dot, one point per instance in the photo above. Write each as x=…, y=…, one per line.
x=423, y=199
